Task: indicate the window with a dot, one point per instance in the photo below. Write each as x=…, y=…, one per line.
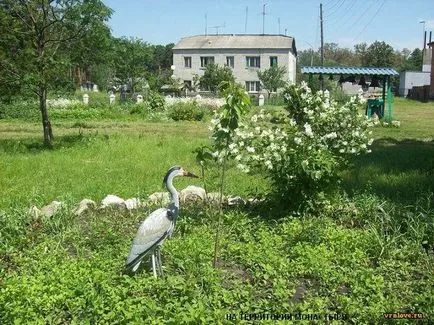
x=205, y=60
x=187, y=61
x=187, y=83
x=253, y=86
x=253, y=61
x=273, y=61
x=230, y=61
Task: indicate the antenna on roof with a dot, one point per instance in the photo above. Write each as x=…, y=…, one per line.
x=278, y=21
x=206, y=24
x=263, y=18
x=217, y=27
x=245, y=25
x=286, y=31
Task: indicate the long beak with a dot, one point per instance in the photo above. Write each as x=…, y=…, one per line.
x=188, y=174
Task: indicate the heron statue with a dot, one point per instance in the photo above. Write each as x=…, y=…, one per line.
x=156, y=228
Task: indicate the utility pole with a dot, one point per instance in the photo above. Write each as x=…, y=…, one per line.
x=278, y=21
x=263, y=19
x=206, y=24
x=322, y=43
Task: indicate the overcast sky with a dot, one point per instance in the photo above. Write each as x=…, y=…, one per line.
x=346, y=22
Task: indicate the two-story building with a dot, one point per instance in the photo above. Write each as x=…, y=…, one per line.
x=245, y=54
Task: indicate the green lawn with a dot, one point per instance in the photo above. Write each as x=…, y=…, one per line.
x=364, y=254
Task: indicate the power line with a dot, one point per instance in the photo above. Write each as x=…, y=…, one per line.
x=326, y=4
x=346, y=10
x=336, y=10
x=360, y=17
x=372, y=19
x=334, y=5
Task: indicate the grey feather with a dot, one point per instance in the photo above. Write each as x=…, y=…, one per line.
x=152, y=232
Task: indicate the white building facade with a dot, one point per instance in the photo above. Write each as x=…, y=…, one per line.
x=245, y=54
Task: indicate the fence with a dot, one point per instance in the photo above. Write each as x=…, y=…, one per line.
x=419, y=93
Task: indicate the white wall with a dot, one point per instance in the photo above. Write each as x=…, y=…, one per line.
x=240, y=71
x=410, y=79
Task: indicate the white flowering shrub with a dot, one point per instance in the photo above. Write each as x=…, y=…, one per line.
x=62, y=102
x=303, y=153
x=211, y=103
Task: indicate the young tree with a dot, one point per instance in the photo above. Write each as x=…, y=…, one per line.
x=272, y=78
x=214, y=76
x=38, y=30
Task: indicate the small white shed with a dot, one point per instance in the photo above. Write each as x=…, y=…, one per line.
x=410, y=79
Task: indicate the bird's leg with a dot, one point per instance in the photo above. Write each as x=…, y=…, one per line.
x=160, y=265
x=153, y=264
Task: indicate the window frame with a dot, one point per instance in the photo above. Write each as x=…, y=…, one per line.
x=204, y=60
x=253, y=62
x=256, y=86
x=274, y=59
x=230, y=59
x=187, y=59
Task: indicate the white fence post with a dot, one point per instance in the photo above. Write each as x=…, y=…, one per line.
x=261, y=100
x=112, y=98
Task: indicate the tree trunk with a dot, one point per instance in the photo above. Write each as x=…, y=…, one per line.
x=46, y=125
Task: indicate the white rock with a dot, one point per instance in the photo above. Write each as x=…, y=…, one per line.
x=51, y=209
x=159, y=198
x=112, y=200
x=214, y=198
x=84, y=206
x=192, y=193
x=34, y=212
x=236, y=200
x=253, y=201
x=133, y=203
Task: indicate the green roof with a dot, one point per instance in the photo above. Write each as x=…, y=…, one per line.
x=350, y=70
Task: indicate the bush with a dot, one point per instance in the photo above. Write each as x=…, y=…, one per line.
x=303, y=154
x=186, y=112
x=21, y=110
x=156, y=102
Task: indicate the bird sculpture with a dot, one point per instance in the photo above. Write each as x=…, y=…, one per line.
x=156, y=227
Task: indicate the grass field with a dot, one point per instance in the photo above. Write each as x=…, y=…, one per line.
x=367, y=253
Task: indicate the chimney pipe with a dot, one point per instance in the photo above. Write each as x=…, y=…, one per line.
x=430, y=34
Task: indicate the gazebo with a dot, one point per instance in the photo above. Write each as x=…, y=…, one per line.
x=350, y=73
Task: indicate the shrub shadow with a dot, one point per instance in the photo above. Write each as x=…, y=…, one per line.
x=29, y=145
x=399, y=170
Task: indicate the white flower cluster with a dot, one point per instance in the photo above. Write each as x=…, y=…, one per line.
x=62, y=102
x=211, y=103
x=317, y=128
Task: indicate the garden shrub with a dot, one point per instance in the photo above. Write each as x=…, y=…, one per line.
x=303, y=154
x=156, y=102
x=189, y=111
x=20, y=109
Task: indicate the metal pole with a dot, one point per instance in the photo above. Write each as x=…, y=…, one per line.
x=245, y=25
x=263, y=18
x=384, y=95
x=389, y=98
x=322, y=43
